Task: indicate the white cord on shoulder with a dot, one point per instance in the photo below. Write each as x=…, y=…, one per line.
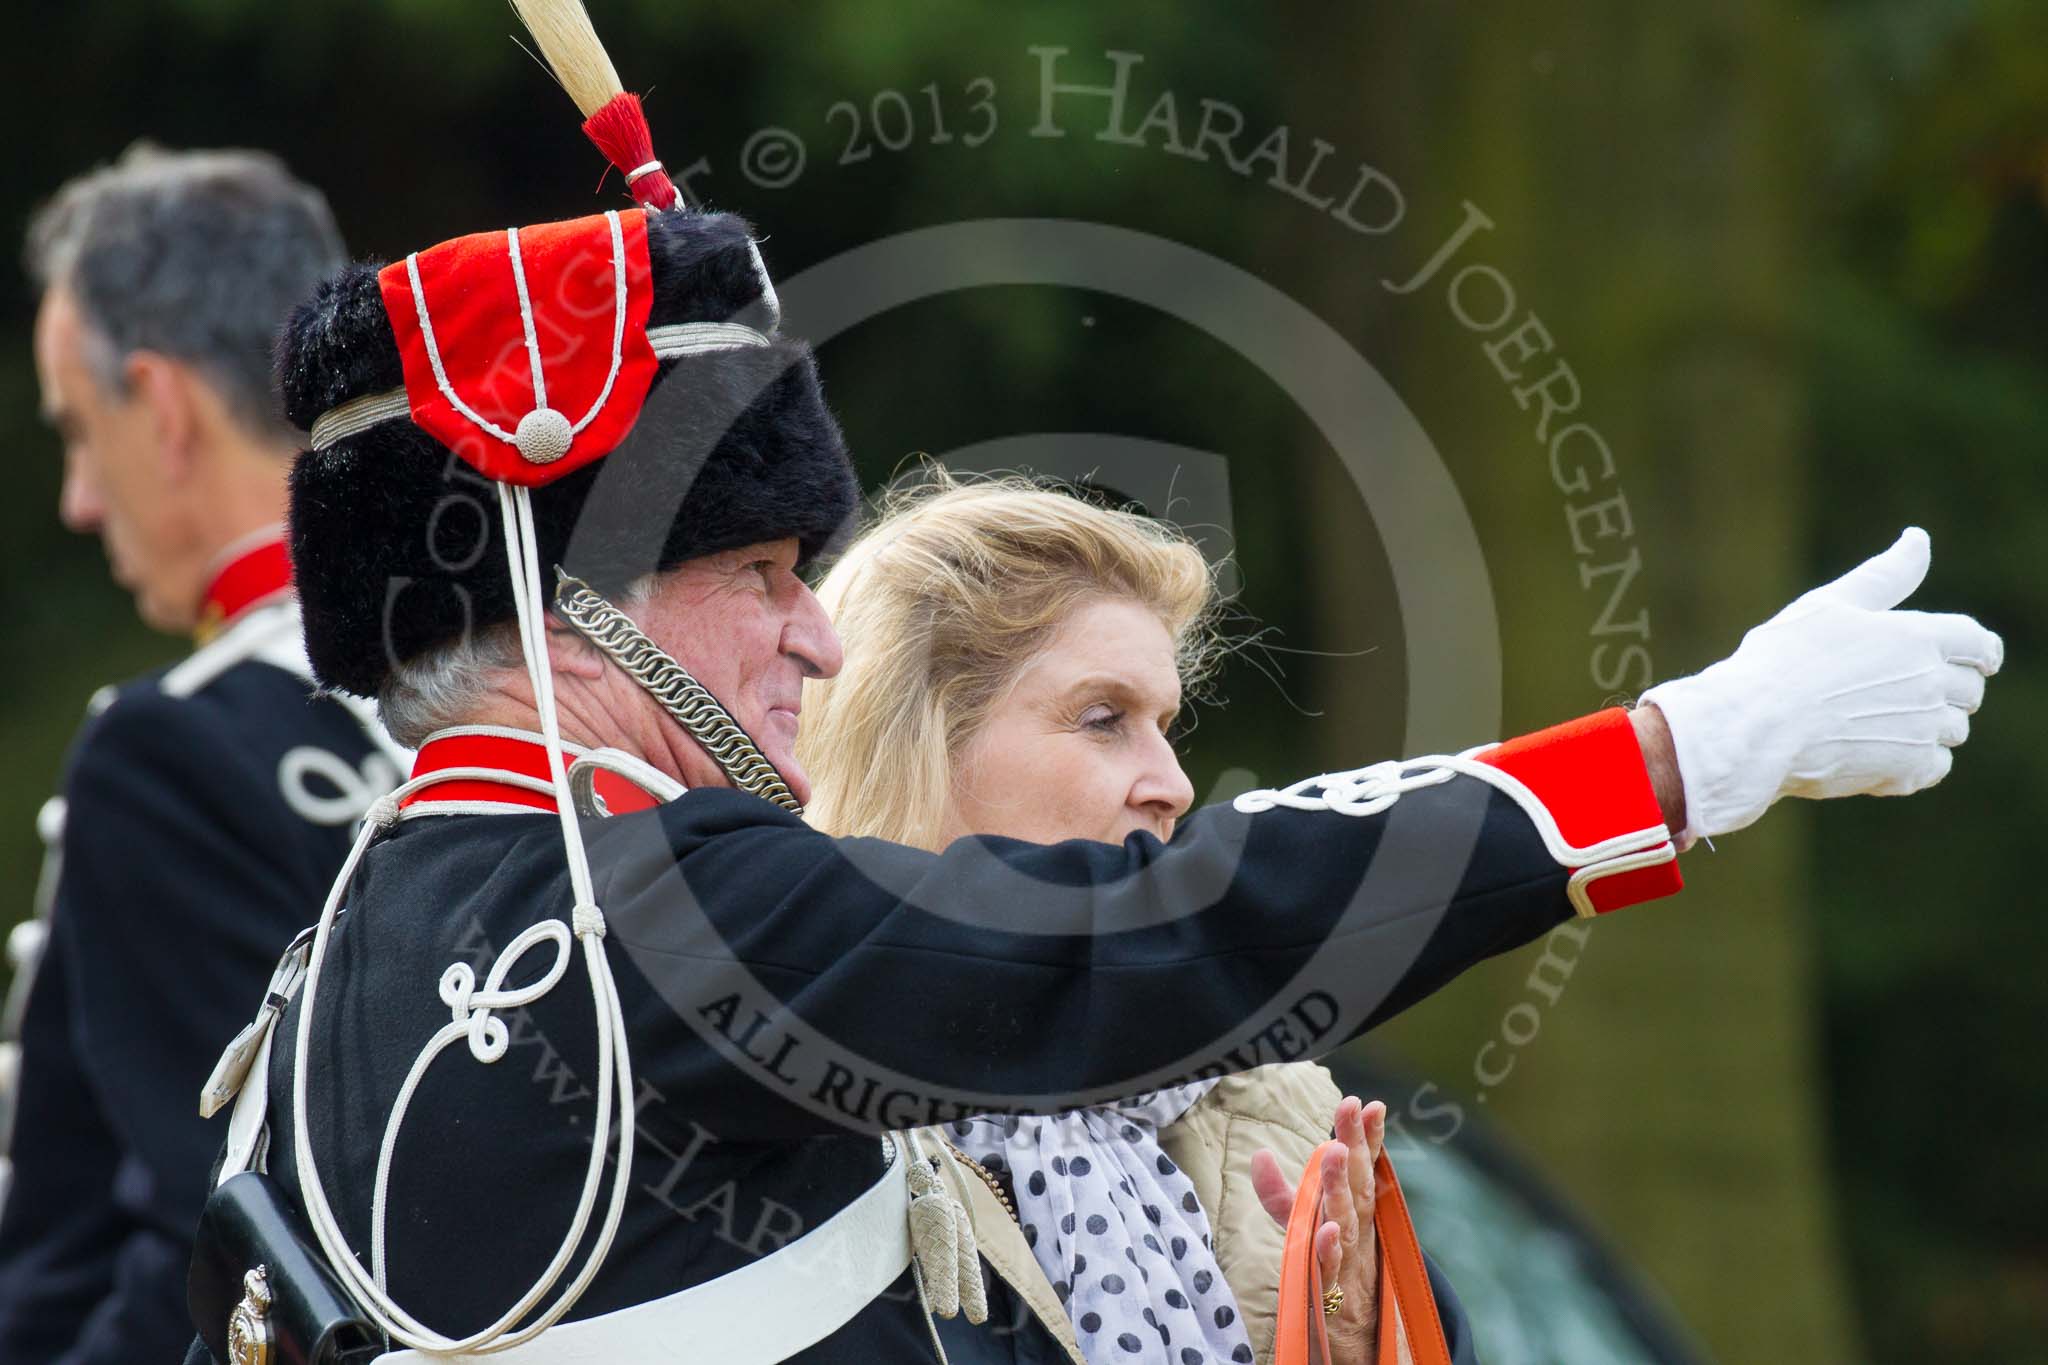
x=473, y=1019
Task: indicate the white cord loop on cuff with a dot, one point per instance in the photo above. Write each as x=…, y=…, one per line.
x=1359, y=792
x=1372, y=789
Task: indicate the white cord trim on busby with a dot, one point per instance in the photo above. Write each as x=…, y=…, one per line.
x=768, y=295
x=673, y=339
x=473, y=1019
x=357, y=416
x=670, y=341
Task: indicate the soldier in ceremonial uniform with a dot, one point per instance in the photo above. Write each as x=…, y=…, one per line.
x=624, y=1088
x=203, y=804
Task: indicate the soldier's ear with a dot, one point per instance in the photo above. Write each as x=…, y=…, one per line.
x=162, y=387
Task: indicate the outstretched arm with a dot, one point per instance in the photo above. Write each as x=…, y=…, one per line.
x=1005, y=972
x=1001, y=973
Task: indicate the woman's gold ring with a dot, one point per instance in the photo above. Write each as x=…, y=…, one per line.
x=1333, y=1300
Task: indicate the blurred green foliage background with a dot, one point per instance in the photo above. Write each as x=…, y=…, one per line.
x=1796, y=259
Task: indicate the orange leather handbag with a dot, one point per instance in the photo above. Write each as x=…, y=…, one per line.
x=1404, y=1293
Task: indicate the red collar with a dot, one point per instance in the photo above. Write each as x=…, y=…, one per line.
x=258, y=571
x=516, y=753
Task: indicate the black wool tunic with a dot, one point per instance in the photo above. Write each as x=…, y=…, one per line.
x=186, y=869
x=789, y=996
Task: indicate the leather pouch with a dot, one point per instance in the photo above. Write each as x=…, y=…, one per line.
x=309, y=1319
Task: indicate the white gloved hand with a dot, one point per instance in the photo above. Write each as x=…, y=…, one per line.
x=1836, y=695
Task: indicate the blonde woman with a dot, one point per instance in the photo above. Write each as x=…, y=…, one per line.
x=1015, y=658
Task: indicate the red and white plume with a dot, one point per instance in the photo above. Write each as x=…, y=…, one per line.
x=612, y=117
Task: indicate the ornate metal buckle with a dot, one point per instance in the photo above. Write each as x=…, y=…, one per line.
x=249, y=1336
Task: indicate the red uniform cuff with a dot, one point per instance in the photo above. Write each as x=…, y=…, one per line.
x=1586, y=787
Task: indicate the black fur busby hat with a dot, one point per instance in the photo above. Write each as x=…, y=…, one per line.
x=395, y=535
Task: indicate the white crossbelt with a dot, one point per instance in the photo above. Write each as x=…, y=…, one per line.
x=763, y=1312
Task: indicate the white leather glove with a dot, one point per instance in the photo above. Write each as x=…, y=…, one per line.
x=1837, y=695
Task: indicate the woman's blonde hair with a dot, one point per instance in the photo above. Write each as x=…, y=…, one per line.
x=940, y=605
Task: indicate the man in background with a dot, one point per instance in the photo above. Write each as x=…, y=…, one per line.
x=205, y=807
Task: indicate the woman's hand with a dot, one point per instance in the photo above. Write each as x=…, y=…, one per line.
x=1345, y=1247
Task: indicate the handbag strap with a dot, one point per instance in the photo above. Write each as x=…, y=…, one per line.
x=1405, y=1296
x=1300, y=1337
x=1404, y=1278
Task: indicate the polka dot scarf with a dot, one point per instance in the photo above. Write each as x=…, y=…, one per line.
x=1116, y=1227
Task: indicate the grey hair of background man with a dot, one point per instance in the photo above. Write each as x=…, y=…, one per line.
x=445, y=685
x=197, y=255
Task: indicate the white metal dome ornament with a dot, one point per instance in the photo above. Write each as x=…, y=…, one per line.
x=543, y=436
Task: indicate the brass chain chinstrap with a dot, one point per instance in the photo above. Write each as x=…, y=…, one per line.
x=684, y=698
